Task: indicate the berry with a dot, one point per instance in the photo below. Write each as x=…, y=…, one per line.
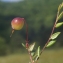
x=17, y=23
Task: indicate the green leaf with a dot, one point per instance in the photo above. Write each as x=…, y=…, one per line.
x=38, y=51
x=55, y=35
x=32, y=53
x=37, y=54
x=60, y=15
x=59, y=24
x=36, y=58
x=31, y=47
x=23, y=44
x=60, y=6
x=51, y=43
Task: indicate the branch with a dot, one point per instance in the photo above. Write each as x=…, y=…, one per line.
x=51, y=33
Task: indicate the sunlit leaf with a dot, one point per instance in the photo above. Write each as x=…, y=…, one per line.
x=59, y=24
x=60, y=6
x=55, y=35
x=60, y=15
x=51, y=43
x=32, y=53
x=23, y=44
x=31, y=47
x=37, y=54
x=38, y=51
x=37, y=57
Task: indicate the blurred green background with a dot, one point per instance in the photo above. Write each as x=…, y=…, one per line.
x=40, y=16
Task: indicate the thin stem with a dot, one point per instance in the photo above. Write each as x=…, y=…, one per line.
x=27, y=44
x=26, y=32
x=51, y=33
x=12, y=32
x=30, y=57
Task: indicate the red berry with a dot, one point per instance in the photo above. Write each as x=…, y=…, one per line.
x=17, y=23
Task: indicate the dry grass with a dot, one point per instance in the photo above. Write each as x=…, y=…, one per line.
x=51, y=56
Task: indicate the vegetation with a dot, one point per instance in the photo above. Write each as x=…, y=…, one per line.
x=17, y=23
x=41, y=28
x=40, y=16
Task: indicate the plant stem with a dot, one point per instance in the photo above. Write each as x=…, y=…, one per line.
x=51, y=33
x=26, y=31
x=30, y=57
x=27, y=44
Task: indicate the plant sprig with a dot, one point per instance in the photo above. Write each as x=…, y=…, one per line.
x=56, y=25
x=34, y=55
x=53, y=35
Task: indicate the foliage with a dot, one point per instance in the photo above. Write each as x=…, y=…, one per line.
x=40, y=16
x=34, y=56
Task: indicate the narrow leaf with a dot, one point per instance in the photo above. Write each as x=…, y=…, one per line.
x=59, y=24
x=36, y=58
x=37, y=54
x=55, y=35
x=23, y=45
x=31, y=47
x=60, y=15
x=51, y=43
x=32, y=53
x=38, y=51
x=60, y=6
